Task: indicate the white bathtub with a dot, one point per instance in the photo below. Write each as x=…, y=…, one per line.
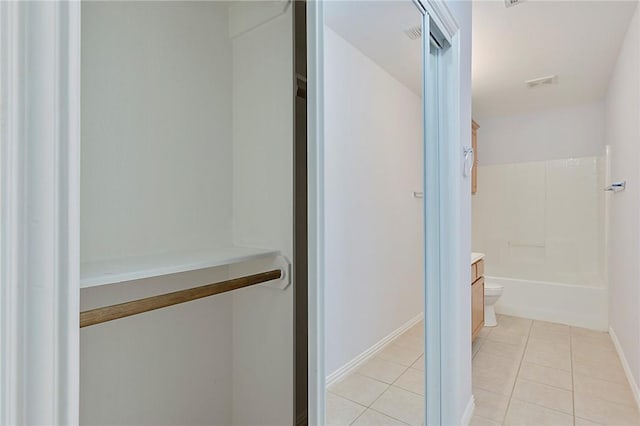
x=571, y=304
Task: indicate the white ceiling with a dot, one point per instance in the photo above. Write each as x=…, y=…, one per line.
x=376, y=28
x=577, y=40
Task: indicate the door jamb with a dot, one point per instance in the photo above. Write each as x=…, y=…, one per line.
x=39, y=199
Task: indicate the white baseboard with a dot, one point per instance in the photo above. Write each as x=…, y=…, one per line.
x=625, y=364
x=468, y=412
x=575, y=305
x=355, y=363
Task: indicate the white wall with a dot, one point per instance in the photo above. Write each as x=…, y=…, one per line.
x=623, y=134
x=373, y=238
x=156, y=128
x=156, y=177
x=166, y=367
x=263, y=217
x=576, y=131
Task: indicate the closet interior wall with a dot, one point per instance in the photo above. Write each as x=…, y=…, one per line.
x=187, y=140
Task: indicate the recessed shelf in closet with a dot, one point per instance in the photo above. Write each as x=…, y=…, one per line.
x=135, y=268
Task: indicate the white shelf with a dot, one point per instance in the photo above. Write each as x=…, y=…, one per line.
x=116, y=271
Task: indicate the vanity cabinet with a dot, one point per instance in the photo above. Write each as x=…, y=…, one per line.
x=477, y=297
x=474, y=145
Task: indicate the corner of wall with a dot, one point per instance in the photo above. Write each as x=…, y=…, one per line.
x=625, y=365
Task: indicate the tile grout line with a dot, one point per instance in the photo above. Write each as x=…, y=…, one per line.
x=379, y=412
x=546, y=384
x=369, y=407
x=543, y=406
x=517, y=374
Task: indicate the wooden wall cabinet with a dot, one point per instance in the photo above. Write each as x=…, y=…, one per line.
x=477, y=298
x=474, y=145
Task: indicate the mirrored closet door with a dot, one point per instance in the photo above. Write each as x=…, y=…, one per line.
x=374, y=213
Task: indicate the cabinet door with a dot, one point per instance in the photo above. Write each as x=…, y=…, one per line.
x=477, y=307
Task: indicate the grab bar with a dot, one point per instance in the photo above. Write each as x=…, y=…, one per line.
x=134, y=307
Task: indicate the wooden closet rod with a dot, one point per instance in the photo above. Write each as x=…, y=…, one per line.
x=134, y=307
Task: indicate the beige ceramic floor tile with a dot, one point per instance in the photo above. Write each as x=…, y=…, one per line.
x=510, y=336
x=359, y=388
x=504, y=350
x=411, y=380
x=552, y=326
x=497, y=383
x=417, y=330
x=544, y=395
x=489, y=362
x=548, y=354
x=484, y=332
x=402, y=405
x=594, y=335
x=551, y=334
x=511, y=323
x=583, y=422
x=596, y=354
x=548, y=376
x=524, y=414
x=409, y=341
x=419, y=364
x=610, y=391
x=341, y=411
x=514, y=322
x=400, y=354
x=481, y=421
x=373, y=418
x=490, y=405
x=491, y=367
x=605, y=412
x=384, y=371
x=605, y=368
x=595, y=348
x=476, y=345
x=493, y=373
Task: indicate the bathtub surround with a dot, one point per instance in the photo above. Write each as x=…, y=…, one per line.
x=541, y=226
x=622, y=108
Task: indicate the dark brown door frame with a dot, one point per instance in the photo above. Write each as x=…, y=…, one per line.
x=300, y=233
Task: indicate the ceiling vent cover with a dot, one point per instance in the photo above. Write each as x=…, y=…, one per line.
x=414, y=33
x=509, y=3
x=542, y=81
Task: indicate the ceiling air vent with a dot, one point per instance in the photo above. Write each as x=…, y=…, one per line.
x=414, y=33
x=542, y=81
x=509, y=3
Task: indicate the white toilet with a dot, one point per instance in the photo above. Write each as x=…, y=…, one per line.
x=492, y=293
